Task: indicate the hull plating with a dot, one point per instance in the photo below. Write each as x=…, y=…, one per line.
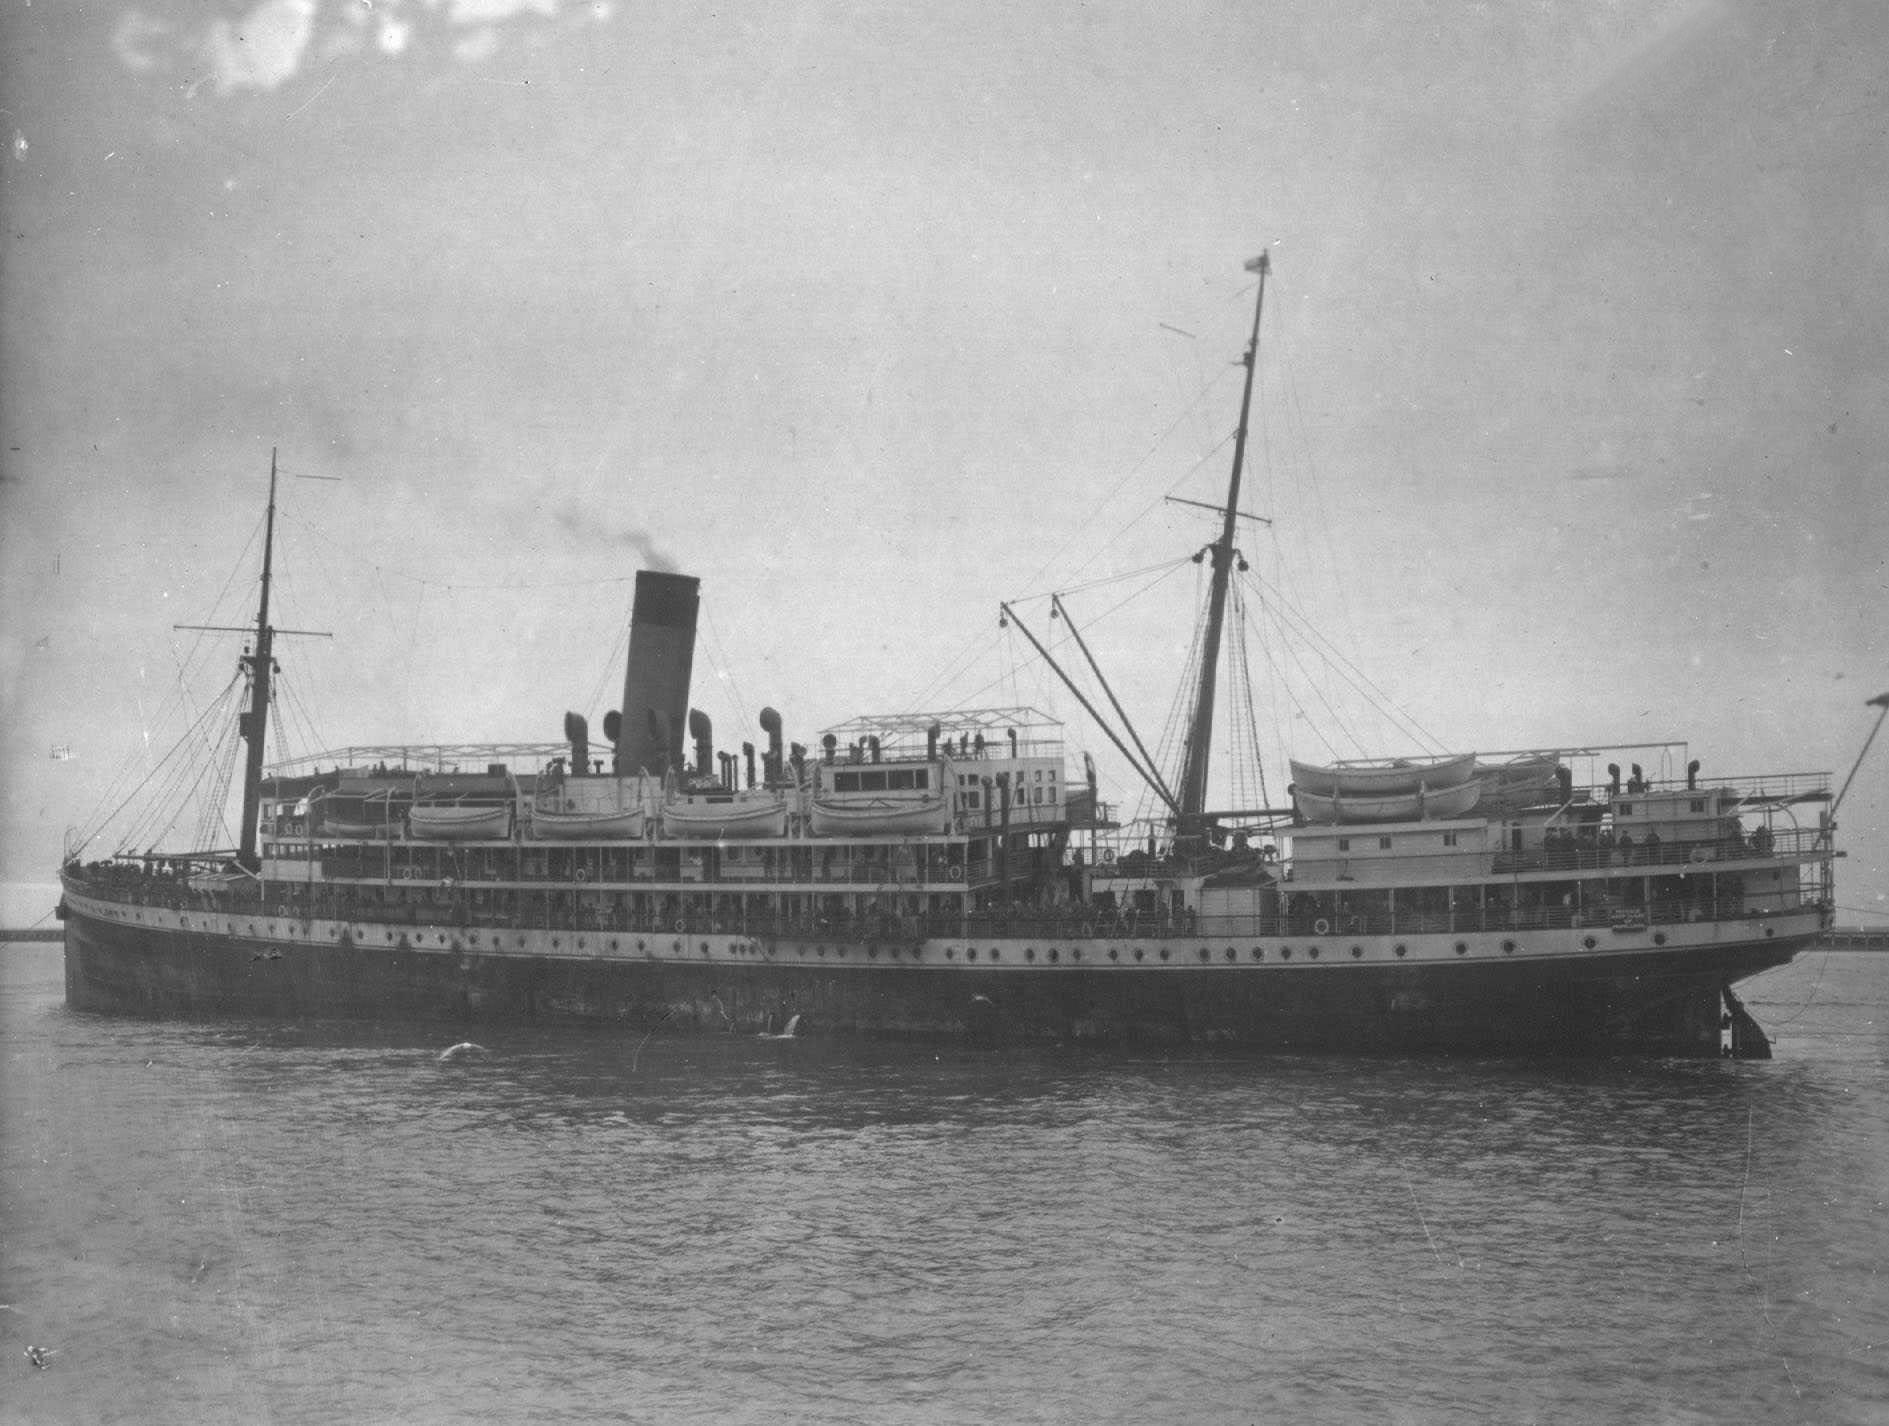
x=1656, y=1003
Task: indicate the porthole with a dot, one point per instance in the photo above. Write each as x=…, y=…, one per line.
x=1462, y=948
x=1029, y=953
x=1205, y=954
x=996, y=954
x=1232, y=954
x=1508, y=948
x=1400, y=950
x=1357, y=952
x=1054, y=956
x=951, y=953
x=971, y=954
x=1312, y=951
x=1164, y=953
x=705, y=948
x=1769, y=932
x=639, y=944
x=1138, y=952
x=1259, y=953
x=821, y=951
x=1659, y=938
x=1589, y=942
x=872, y=953
x=1114, y=954
x=1285, y=953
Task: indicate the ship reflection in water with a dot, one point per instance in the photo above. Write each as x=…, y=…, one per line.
x=259, y=1221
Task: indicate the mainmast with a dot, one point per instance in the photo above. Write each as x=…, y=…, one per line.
x=255, y=723
x=1193, y=784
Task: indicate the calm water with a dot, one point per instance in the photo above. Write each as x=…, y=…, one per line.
x=250, y=1223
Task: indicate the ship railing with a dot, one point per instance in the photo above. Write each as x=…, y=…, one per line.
x=1679, y=854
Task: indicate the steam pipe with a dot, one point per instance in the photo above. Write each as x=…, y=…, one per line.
x=577, y=731
x=771, y=725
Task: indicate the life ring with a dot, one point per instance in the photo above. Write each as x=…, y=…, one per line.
x=1321, y=927
x=1108, y=854
x=583, y=874
x=681, y=924
x=957, y=873
x=407, y=872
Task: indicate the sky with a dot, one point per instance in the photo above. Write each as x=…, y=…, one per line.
x=1574, y=373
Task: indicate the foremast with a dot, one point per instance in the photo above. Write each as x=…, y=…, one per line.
x=254, y=724
x=1193, y=781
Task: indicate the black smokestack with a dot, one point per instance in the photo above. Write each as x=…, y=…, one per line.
x=703, y=732
x=656, y=681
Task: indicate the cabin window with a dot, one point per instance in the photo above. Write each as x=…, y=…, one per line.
x=1449, y=839
x=846, y=782
x=872, y=782
x=1344, y=844
x=1626, y=809
x=1036, y=795
x=922, y=778
x=1697, y=804
x=1383, y=844
x=900, y=781
x=973, y=800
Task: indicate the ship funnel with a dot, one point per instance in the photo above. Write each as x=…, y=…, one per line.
x=703, y=732
x=656, y=680
x=1692, y=775
x=1613, y=777
x=747, y=751
x=577, y=733
x=827, y=744
x=656, y=742
x=771, y=725
x=931, y=742
x=612, y=726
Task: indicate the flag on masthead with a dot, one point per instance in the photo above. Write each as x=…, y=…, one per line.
x=1262, y=263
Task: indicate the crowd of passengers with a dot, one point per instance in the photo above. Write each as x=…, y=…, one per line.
x=1569, y=848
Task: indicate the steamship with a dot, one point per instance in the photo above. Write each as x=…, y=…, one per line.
x=951, y=875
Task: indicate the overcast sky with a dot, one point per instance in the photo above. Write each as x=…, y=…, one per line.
x=1575, y=367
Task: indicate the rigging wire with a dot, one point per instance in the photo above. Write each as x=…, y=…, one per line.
x=718, y=656
x=1168, y=571
x=1359, y=681
x=173, y=769
x=1132, y=471
x=1324, y=702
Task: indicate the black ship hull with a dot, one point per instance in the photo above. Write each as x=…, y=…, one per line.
x=1664, y=1002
